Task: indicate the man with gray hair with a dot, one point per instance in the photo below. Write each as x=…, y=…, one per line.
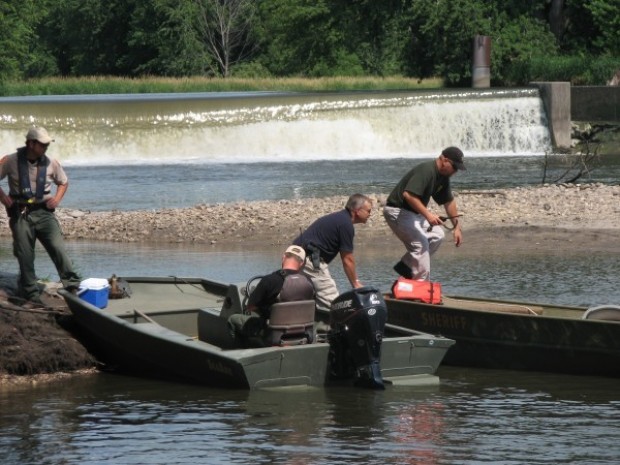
x=30, y=205
x=327, y=237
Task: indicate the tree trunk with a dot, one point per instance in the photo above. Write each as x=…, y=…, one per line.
x=556, y=19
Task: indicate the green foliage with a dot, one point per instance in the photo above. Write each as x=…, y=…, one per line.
x=16, y=35
x=88, y=36
x=579, y=29
x=227, y=30
x=518, y=40
x=286, y=52
x=374, y=34
x=606, y=14
x=339, y=37
x=115, y=85
x=312, y=38
x=577, y=70
x=164, y=40
x=251, y=69
x=442, y=33
x=603, y=69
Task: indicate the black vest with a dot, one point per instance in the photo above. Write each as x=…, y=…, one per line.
x=25, y=189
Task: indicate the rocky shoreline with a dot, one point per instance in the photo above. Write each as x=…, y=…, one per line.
x=507, y=220
x=590, y=206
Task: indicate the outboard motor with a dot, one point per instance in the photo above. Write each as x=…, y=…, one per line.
x=357, y=321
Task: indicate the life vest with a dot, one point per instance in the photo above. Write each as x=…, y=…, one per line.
x=25, y=189
x=421, y=291
x=296, y=286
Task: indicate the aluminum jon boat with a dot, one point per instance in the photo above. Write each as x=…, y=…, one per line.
x=176, y=328
x=517, y=335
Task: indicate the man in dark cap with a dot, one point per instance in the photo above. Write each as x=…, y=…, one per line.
x=407, y=213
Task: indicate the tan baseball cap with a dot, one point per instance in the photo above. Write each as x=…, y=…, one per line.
x=39, y=134
x=296, y=251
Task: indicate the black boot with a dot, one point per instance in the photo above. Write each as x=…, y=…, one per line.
x=403, y=270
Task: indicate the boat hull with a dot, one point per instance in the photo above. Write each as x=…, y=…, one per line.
x=155, y=332
x=516, y=336
x=149, y=349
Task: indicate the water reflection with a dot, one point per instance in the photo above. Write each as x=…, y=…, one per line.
x=557, y=417
x=474, y=416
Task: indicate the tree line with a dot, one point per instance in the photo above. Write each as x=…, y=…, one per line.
x=574, y=40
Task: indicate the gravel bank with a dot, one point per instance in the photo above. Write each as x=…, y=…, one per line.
x=587, y=206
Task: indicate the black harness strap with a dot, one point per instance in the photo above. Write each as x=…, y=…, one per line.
x=25, y=189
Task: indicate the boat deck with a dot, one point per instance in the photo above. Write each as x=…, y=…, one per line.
x=497, y=306
x=163, y=298
x=490, y=306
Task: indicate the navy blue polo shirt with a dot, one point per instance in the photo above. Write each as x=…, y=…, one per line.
x=331, y=234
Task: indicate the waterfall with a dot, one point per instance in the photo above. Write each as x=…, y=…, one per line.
x=269, y=126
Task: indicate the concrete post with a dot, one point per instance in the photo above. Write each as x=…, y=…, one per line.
x=557, y=103
x=481, y=70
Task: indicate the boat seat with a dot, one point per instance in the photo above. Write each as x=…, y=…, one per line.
x=603, y=312
x=232, y=302
x=291, y=323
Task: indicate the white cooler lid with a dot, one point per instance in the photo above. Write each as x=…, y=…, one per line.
x=94, y=283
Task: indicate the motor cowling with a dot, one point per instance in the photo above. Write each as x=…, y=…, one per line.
x=357, y=322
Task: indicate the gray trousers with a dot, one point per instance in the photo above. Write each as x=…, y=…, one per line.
x=411, y=229
x=42, y=225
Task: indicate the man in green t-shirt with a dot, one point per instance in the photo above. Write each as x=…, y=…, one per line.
x=407, y=213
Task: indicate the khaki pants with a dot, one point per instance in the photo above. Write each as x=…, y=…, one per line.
x=324, y=285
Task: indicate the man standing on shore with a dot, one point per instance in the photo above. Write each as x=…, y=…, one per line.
x=409, y=218
x=30, y=206
x=327, y=237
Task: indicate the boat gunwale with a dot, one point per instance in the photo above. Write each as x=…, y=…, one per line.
x=468, y=304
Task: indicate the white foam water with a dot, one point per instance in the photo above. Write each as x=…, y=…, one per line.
x=249, y=128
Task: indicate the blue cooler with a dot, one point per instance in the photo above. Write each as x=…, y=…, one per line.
x=95, y=291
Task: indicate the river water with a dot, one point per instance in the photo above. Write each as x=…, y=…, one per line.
x=127, y=154
x=473, y=417
x=147, y=186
